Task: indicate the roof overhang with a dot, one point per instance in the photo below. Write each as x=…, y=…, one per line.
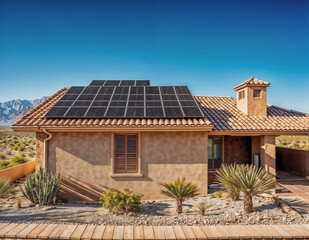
x=113, y=129
x=260, y=133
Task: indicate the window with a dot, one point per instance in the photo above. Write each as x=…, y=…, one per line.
x=256, y=93
x=241, y=94
x=214, y=153
x=126, y=153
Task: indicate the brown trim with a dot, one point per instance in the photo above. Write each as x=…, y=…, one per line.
x=126, y=142
x=135, y=129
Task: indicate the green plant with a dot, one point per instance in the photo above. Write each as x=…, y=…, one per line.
x=8, y=152
x=252, y=181
x=121, y=201
x=202, y=207
x=6, y=187
x=224, y=176
x=4, y=164
x=218, y=194
x=2, y=156
x=31, y=154
x=16, y=146
x=180, y=190
x=212, y=196
x=41, y=187
x=20, y=148
x=19, y=160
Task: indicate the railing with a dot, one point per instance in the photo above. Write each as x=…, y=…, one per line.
x=18, y=171
x=293, y=160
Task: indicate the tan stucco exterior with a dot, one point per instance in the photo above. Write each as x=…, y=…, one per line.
x=253, y=106
x=268, y=154
x=85, y=160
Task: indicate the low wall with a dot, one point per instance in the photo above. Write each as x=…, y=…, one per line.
x=17, y=172
x=293, y=160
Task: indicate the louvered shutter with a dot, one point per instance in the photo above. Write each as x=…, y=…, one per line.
x=126, y=153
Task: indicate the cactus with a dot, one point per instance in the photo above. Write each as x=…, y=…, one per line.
x=41, y=187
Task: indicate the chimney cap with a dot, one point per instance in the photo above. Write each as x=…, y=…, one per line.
x=252, y=82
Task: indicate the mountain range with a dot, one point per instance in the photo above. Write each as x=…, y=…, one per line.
x=11, y=111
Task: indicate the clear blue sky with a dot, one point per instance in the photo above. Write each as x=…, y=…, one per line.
x=211, y=46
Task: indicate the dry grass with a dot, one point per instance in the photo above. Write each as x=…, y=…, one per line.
x=295, y=142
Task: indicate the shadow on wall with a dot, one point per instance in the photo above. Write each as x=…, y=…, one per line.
x=76, y=190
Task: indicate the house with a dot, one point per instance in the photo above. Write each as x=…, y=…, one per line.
x=94, y=150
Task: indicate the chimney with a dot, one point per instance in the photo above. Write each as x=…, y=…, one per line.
x=251, y=97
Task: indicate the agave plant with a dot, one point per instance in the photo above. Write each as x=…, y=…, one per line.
x=252, y=181
x=179, y=190
x=224, y=176
x=41, y=187
x=6, y=187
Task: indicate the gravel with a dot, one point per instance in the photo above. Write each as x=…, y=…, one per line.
x=222, y=212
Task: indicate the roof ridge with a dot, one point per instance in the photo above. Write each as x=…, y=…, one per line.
x=252, y=82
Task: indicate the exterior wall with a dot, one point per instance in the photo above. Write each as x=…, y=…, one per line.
x=268, y=154
x=253, y=106
x=40, y=149
x=237, y=149
x=85, y=162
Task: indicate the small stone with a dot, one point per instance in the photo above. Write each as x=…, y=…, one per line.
x=131, y=214
x=231, y=220
x=48, y=208
x=8, y=205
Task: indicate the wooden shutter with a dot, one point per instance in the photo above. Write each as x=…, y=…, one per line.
x=126, y=153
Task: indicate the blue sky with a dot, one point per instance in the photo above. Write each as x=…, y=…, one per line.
x=211, y=46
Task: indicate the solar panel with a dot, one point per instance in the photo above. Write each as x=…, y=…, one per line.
x=125, y=98
x=120, y=83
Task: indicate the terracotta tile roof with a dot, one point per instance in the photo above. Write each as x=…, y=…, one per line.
x=36, y=117
x=221, y=112
x=252, y=82
x=224, y=114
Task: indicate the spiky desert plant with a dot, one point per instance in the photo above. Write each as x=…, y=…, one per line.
x=202, y=207
x=6, y=187
x=224, y=176
x=41, y=187
x=252, y=181
x=180, y=190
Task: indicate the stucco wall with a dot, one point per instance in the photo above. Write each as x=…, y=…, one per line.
x=40, y=149
x=237, y=149
x=268, y=154
x=84, y=160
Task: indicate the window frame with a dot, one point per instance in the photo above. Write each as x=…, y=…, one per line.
x=259, y=91
x=115, y=171
x=212, y=169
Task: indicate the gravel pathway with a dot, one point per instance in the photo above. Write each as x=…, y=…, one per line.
x=222, y=212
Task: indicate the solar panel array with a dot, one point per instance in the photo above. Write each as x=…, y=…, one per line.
x=111, y=101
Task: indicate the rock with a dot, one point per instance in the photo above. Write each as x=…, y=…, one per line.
x=8, y=205
x=48, y=208
x=231, y=220
x=269, y=218
x=214, y=208
x=131, y=214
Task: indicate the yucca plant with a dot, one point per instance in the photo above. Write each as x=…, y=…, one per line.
x=6, y=187
x=41, y=187
x=224, y=176
x=252, y=181
x=180, y=190
x=202, y=207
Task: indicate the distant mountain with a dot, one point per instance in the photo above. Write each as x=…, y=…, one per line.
x=12, y=110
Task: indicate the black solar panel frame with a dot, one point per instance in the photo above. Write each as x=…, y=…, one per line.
x=125, y=100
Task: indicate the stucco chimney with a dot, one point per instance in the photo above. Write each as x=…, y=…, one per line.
x=251, y=97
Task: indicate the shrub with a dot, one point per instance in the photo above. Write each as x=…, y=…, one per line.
x=20, y=148
x=41, y=187
x=218, y=194
x=6, y=187
x=224, y=176
x=16, y=146
x=19, y=160
x=29, y=148
x=8, y=152
x=180, y=190
x=202, y=207
x=2, y=156
x=121, y=201
x=252, y=181
x=31, y=154
x=4, y=164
